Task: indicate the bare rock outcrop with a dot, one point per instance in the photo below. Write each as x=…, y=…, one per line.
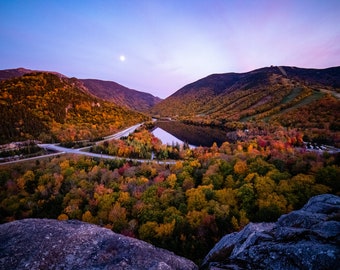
x=52, y=244
x=305, y=239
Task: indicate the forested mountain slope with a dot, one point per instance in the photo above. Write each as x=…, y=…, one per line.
x=49, y=107
x=107, y=90
x=18, y=72
x=307, y=99
x=121, y=95
x=235, y=96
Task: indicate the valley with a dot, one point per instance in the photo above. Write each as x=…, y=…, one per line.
x=60, y=150
x=254, y=149
x=170, y=135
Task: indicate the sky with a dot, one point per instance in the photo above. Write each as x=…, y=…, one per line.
x=160, y=46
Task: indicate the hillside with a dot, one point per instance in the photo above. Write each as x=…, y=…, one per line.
x=49, y=107
x=121, y=95
x=289, y=96
x=18, y=72
x=234, y=96
x=107, y=90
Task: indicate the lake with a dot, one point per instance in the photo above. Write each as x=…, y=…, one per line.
x=170, y=132
x=165, y=137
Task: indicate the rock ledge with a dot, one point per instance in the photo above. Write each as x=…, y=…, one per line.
x=305, y=239
x=52, y=244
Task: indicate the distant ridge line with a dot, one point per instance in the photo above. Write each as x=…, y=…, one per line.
x=282, y=71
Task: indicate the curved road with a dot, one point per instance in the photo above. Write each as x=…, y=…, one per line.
x=63, y=150
x=122, y=133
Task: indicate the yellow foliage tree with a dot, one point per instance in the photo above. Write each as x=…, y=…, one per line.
x=63, y=217
x=87, y=217
x=195, y=218
x=147, y=231
x=196, y=197
x=165, y=230
x=171, y=180
x=240, y=167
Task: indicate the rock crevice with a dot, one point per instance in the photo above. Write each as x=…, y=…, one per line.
x=308, y=238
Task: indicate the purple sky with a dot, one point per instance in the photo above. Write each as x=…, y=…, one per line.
x=167, y=43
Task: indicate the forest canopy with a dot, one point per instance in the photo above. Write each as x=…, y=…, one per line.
x=185, y=207
x=50, y=108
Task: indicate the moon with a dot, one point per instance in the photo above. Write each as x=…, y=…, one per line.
x=122, y=58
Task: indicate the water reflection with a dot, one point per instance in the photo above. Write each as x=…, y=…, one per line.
x=166, y=137
x=175, y=131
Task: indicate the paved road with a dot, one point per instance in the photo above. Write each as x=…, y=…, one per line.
x=31, y=158
x=80, y=151
x=63, y=150
x=122, y=133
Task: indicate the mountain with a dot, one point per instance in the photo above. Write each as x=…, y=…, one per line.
x=107, y=90
x=236, y=96
x=121, y=95
x=304, y=99
x=18, y=72
x=12, y=73
x=50, y=107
